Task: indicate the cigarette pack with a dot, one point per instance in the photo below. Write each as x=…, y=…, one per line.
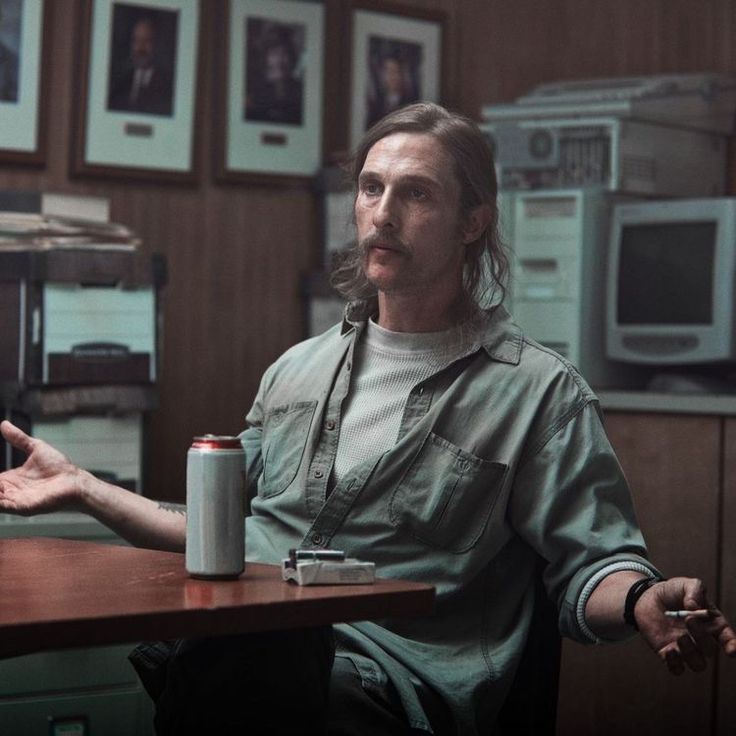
x=328, y=572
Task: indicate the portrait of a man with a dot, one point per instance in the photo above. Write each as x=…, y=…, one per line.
x=10, y=26
x=274, y=78
x=142, y=60
x=393, y=79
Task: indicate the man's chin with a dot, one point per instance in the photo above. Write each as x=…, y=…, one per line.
x=384, y=279
x=377, y=278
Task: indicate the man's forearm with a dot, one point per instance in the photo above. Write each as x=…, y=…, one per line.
x=47, y=481
x=141, y=521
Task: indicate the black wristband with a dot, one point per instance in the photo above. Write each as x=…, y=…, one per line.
x=636, y=591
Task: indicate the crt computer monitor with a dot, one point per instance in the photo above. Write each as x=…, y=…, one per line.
x=671, y=282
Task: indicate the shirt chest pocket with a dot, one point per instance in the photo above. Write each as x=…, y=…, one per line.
x=285, y=432
x=447, y=495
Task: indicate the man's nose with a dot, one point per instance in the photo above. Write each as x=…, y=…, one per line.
x=385, y=213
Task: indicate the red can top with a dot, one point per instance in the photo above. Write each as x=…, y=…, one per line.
x=217, y=442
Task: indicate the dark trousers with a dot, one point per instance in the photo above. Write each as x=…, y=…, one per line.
x=279, y=682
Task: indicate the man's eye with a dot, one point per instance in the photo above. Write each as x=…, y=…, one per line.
x=370, y=188
x=418, y=194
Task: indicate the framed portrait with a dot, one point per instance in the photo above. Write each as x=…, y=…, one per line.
x=137, y=74
x=270, y=80
x=396, y=60
x=23, y=53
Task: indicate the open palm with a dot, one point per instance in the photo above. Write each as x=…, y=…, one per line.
x=45, y=482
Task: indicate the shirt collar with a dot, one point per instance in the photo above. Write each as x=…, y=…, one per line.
x=497, y=333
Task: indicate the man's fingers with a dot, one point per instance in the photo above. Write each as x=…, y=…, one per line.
x=727, y=640
x=16, y=437
x=692, y=647
x=694, y=594
x=702, y=634
x=684, y=653
x=674, y=662
x=691, y=655
x=709, y=633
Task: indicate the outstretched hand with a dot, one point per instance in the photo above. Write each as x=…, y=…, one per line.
x=683, y=643
x=47, y=481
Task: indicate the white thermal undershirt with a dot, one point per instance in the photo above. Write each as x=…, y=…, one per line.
x=387, y=365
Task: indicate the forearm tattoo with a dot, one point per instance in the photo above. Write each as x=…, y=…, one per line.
x=177, y=508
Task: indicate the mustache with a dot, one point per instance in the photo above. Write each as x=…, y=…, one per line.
x=382, y=240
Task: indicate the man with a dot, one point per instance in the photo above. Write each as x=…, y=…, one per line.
x=391, y=90
x=144, y=85
x=275, y=88
x=435, y=439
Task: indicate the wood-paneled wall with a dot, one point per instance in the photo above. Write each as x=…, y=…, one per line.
x=235, y=253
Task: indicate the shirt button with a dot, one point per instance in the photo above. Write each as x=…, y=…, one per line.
x=318, y=473
x=316, y=538
x=420, y=391
x=349, y=365
x=330, y=424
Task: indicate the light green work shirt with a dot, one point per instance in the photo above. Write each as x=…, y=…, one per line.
x=501, y=459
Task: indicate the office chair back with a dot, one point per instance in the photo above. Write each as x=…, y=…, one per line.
x=531, y=706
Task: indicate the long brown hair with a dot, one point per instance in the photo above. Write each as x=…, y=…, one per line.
x=486, y=261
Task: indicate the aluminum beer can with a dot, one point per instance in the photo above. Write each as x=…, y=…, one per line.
x=215, y=544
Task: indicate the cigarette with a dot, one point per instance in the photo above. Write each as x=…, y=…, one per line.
x=697, y=613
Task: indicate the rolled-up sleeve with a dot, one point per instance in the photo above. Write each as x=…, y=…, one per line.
x=572, y=504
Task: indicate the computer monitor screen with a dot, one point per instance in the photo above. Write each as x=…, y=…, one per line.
x=671, y=282
x=666, y=273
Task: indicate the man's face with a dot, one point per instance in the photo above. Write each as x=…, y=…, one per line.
x=277, y=64
x=407, y=213
x=142, y=45
x=393, y=79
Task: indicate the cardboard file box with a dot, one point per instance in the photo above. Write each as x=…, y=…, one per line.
x=78, y=317
x=99, y=428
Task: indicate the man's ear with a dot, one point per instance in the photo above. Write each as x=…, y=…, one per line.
x=476, y=222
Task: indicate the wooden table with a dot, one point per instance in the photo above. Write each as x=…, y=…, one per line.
x=57, y=593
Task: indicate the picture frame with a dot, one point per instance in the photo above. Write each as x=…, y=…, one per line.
x=24, y=62
x=138, y=73
x=397, y=59
x=269, y=91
